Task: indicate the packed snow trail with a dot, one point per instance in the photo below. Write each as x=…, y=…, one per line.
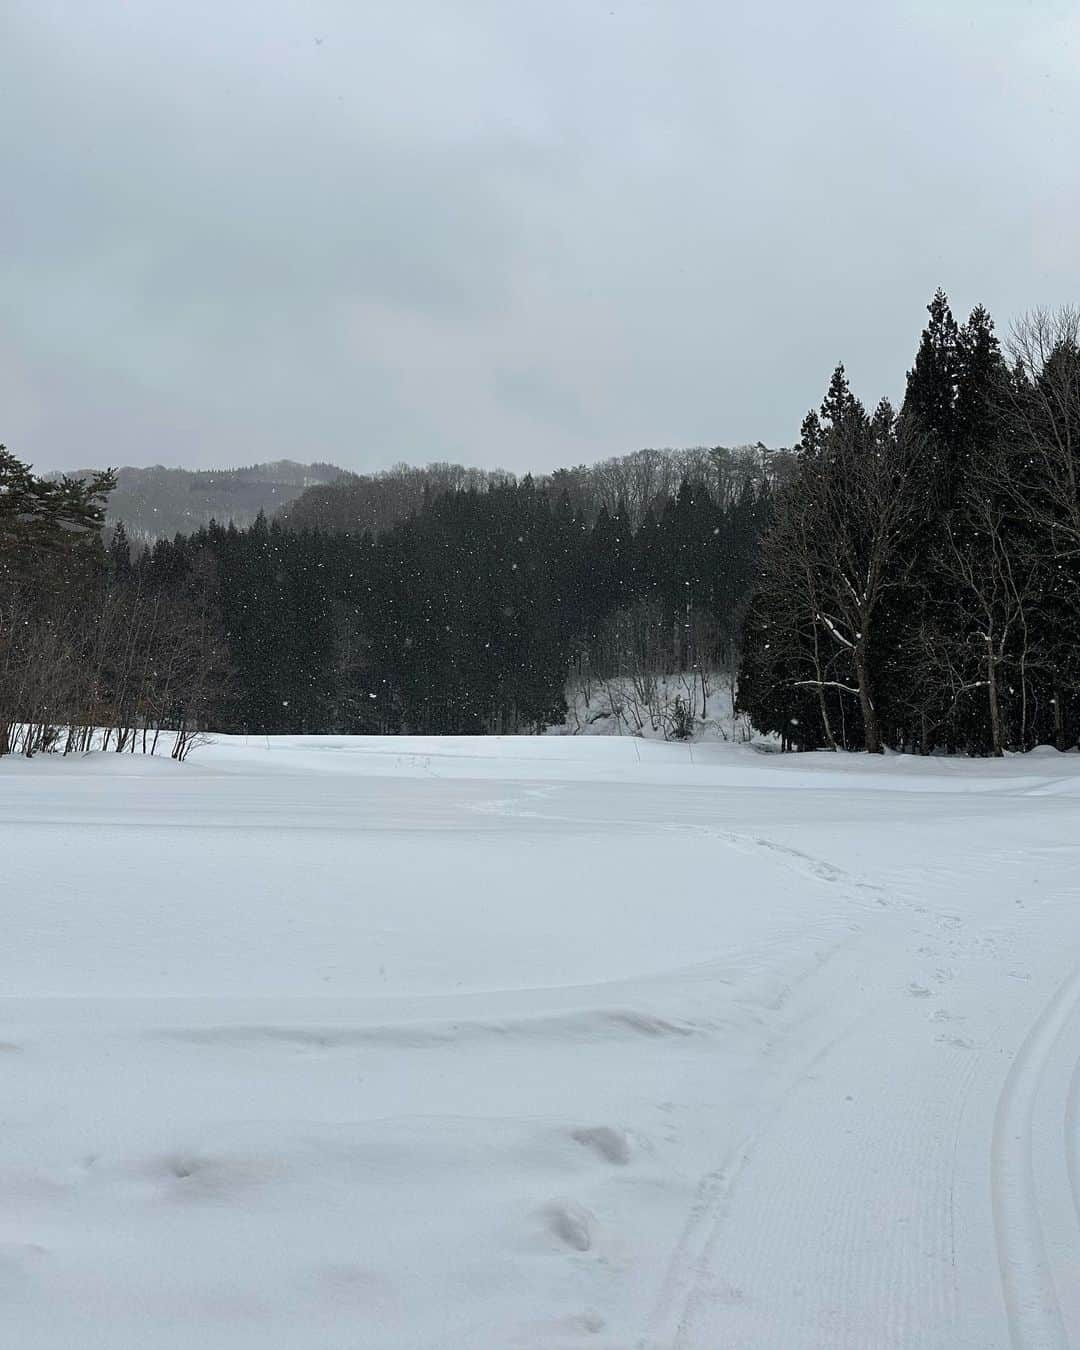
x=539, y=1043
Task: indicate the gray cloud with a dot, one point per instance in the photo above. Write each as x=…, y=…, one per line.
x=513, y=234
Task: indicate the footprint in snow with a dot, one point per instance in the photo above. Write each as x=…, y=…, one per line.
x=918, y=990
x=957, y=1042
x=611, y=1144
x=571, y=1223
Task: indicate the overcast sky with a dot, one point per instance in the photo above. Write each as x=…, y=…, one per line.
x=515, y=233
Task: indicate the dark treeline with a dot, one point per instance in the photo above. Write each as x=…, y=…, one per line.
x=91, y=656
x=918, y=585
x=468, y=616
x=905, y=579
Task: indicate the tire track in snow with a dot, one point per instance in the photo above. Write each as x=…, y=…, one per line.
x=1072, y=1138
x=1031, y=1303
x=817, y=1245
x=688, y=1265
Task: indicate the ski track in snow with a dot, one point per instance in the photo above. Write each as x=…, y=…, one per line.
x=1035, y=1319
x=1072, y=1138
x=540, y=1044
x=695, y=1285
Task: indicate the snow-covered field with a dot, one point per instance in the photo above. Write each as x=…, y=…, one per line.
x=351, y=1044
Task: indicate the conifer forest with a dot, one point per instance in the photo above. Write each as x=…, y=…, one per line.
x=903, y=577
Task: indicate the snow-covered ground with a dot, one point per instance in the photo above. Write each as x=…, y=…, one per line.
x=347, y=1044
x=682, y=706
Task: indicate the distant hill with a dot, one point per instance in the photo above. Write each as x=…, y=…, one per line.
x=376, y=502
x=632, y=483
x=158, y=502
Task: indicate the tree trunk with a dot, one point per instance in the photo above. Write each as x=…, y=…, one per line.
x=997, y=748
x=871, y=726
x=1059, y=720
x=822, y=705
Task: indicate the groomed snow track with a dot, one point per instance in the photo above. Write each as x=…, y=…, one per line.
x=1031, y=1299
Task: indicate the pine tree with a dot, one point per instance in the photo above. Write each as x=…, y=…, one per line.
x=931, y=396
x=43, y=515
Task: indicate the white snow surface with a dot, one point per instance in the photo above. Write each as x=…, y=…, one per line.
x=338, y=1044
x=647, y=706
